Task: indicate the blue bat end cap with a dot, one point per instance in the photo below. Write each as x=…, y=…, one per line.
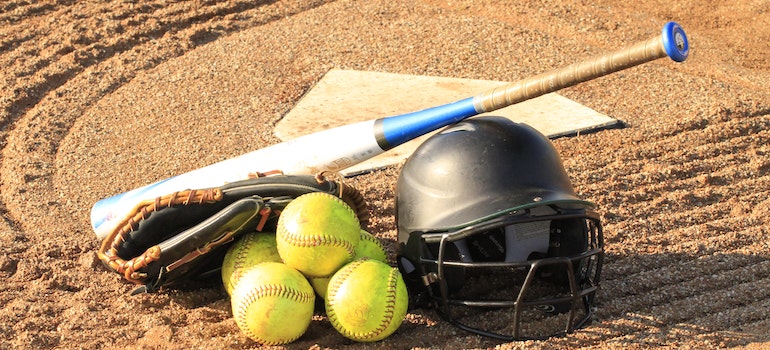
x=675, y=42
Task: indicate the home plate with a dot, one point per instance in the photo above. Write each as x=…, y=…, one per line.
x=348, y=96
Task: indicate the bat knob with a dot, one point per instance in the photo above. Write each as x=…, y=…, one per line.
x=675, y=42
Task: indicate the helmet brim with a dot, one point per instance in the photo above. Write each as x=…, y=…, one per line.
x=560, y=203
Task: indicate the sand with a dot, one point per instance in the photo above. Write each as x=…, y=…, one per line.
x=99, y=97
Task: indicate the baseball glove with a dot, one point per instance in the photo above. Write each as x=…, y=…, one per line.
x=182, y=236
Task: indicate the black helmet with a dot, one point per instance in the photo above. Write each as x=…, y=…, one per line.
x=488, y=219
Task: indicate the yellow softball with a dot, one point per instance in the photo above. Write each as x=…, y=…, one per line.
x=370, y=247
x=366, y=300
x=320, y=285
x=317, y=233
x=273, y=303
x=250, y=249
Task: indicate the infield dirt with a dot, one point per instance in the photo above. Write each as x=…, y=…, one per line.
x=99, y=97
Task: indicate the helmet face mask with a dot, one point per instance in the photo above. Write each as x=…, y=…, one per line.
x=534, y=254
x=549, y=293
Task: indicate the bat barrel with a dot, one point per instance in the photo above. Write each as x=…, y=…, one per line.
x=672, y=43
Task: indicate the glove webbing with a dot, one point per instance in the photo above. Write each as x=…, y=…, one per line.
x=109, y=252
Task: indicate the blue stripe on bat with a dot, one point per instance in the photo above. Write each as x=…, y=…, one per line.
x=393, y=131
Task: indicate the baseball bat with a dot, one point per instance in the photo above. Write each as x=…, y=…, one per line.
x=338, y=148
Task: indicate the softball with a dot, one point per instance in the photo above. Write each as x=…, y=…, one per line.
x=251, y=249
x=366, y=300
x=369, y=247
x=320, y=285
x=273, y=304
x=317, y=234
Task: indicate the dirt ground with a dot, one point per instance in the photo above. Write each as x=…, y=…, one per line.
x=99, y=97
